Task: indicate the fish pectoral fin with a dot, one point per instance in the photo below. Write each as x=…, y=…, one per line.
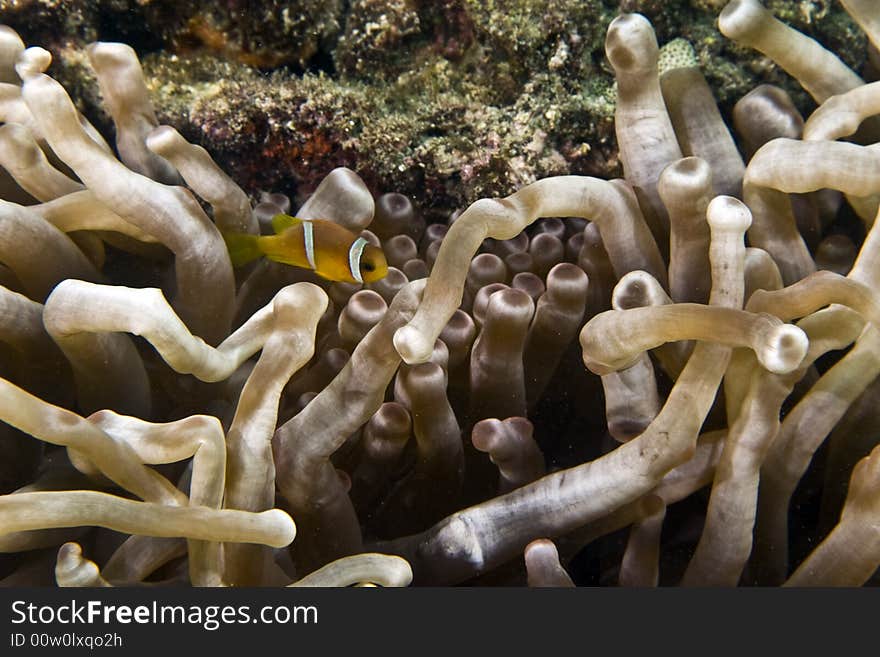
x=281, y=222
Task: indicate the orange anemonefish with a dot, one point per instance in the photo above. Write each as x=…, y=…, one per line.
x=326, y=248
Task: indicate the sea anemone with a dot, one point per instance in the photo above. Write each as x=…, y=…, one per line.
x=586, y=381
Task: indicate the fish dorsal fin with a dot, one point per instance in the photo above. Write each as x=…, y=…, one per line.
x=281, y=222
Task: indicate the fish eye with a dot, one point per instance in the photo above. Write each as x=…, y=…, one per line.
x=368, y=266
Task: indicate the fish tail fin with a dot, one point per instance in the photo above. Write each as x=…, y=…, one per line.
x=243, y=248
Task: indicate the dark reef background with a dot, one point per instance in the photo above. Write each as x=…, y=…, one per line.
x=446, y=101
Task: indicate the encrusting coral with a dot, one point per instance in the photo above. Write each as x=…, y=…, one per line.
x=643, y=369
x=446, y=101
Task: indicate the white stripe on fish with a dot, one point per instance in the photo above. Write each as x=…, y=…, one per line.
x=354, y=258
x=309, y=237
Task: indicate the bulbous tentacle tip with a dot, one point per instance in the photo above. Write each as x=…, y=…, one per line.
x=413, y=347
x=32, y=62
x=111, y=52
x=739, y=17
x=283, y=526
x=728, y=214
x=162, y=138
x=683, y=177
x=785, y=349
x=630, y=43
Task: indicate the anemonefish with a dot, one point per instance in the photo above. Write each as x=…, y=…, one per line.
x=326, y=248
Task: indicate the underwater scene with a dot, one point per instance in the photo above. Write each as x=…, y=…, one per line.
x=434, y=293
